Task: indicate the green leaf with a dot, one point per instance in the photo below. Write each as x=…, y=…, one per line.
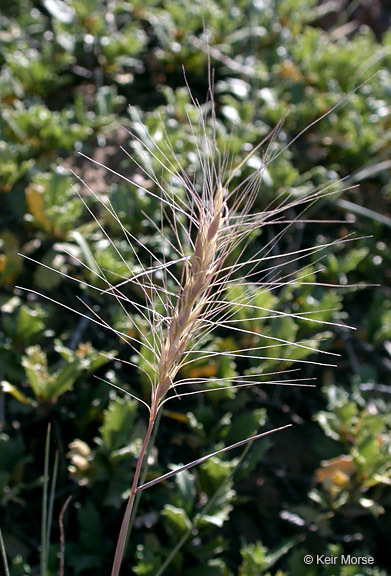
x=213, y=472
x=253, y=559
x=35, y=364
x=10, y=389
x=246, y=425
x=177, y=519
x=374, y=507
x=11, y=263
x=117, y=429
x=149, y=556
x=26, y=324
x=186, y=490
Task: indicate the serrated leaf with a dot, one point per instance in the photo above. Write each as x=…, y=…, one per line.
x=118, y=423
x=186, y=490
x=213, y=472
x=35, y=364
x=25, y=323
x=177, y=518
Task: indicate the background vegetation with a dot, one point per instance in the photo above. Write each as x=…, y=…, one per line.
x=68, y=71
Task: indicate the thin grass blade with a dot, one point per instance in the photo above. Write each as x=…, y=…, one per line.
x=4, y=555
x=205, y=458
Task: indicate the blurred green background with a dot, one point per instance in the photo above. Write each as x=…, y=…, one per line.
x=68, y=71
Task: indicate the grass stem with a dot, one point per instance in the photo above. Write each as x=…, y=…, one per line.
x=51, y=501
x=143, y=474
x=62, y=536
x=4, y=555
x=44, y=518
x=122, y=538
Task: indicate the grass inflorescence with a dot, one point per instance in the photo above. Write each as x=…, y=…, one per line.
x=209, y=223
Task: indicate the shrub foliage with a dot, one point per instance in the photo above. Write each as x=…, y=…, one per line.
x=68, y=70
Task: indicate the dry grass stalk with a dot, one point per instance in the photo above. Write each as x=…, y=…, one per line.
x=211, y=220
x=207, y=227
